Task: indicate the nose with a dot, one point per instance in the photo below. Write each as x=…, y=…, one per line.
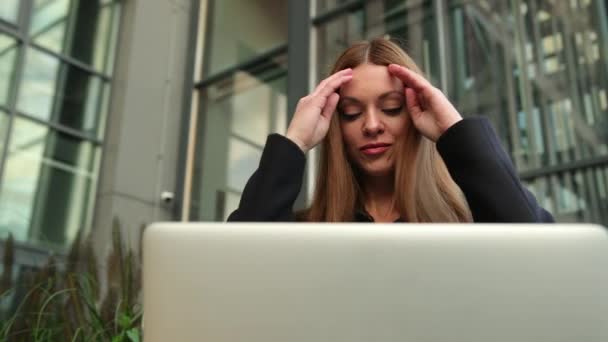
x=372, y=125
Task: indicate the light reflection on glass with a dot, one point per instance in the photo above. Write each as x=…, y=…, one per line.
x=240, y=112
x=56, y=92
x=9, y=10
x=47, y=180
x=8, y=53
x=84, y=30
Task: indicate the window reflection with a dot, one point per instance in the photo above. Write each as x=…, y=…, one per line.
x=231, y=204
x=46, y=185
x=4, y=119
x=536, y=70
x=8, y=53
x=56, y=92
x=412, y=23
x=335, y=36
x=242, y=162
x=239, y=114
x=82, y=29
x=9, y=10
x=240, y=30
x=37, y=89
x=48, y=176
x=325, y=5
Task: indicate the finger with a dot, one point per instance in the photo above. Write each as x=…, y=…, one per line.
x=330, y=106
x=413, y=105
x=410, y=78
x=319, y=98
x=333, y=85
x=321, y=88
x=336, y=75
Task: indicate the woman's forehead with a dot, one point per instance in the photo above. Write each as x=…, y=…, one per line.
x=370, y=81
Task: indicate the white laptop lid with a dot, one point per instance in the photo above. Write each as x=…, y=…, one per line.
x=266, y=282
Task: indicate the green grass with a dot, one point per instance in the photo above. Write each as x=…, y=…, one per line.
x=63, y=301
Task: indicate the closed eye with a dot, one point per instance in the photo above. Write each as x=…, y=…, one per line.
x=349, y=116
x=393, y=111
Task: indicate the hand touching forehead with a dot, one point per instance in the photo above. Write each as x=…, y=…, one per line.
x=369, y=82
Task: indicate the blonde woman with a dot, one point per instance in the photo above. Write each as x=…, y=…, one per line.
x=394, y=149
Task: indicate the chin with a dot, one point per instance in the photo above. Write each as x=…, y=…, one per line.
x=381, y=170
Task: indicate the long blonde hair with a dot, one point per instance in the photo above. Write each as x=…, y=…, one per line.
x=424, y=190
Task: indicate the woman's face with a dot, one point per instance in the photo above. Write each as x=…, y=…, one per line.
x=372, y=116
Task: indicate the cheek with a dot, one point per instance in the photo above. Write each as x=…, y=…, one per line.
x=349, y=134
x=398, y=125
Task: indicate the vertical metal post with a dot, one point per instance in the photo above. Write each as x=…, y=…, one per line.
x=191, y=108
x=298, y=50
x=440, y=17
x=525, y=87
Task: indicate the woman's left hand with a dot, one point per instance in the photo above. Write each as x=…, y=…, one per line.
x=431, y=112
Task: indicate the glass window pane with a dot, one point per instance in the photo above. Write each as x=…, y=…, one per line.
x=256, y=107
x=4, y=120
x=47, y=183
x=542, y=191
x=543, y=83
x=85, y=30
x=240, y=30
x=37, y=88
x=239, y=114
x=243, y=159
x=57, y=92
x=326, y=5
x=413, y=25
x=8, y=52
x=9, y=10
x=335, y=36
x=231, y=203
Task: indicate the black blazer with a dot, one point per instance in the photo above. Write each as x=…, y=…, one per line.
x=470, y=150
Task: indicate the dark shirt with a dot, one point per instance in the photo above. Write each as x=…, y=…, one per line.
x=470, y=149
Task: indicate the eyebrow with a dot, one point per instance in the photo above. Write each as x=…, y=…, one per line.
x=381, y=97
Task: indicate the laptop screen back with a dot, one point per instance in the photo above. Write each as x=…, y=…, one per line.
x=372, y=282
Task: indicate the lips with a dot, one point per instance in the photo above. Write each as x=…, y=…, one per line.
x=375, y=149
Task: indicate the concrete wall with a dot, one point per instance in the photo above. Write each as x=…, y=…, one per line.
x=143, y=135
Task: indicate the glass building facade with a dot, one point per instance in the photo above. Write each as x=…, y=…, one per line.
x=538, y=69
x=56, y=62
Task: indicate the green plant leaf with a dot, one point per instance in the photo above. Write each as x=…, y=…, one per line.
x=119, y=338
x=62, y=301
x=46, y=302
x=133, y=335
x=76, y=334
x=124, y=321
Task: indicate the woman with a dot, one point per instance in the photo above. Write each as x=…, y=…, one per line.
x=397, y=150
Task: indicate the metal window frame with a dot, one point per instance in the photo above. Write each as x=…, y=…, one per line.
x=249, y=64
x=531, y=175
x=299, y=70
x=189, y=122
x=20, y=33
x=192, y=103
x=337, y=12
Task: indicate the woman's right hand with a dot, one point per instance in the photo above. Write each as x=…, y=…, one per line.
x=310, y=122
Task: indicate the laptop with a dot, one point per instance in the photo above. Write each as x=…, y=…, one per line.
x=265, y=282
